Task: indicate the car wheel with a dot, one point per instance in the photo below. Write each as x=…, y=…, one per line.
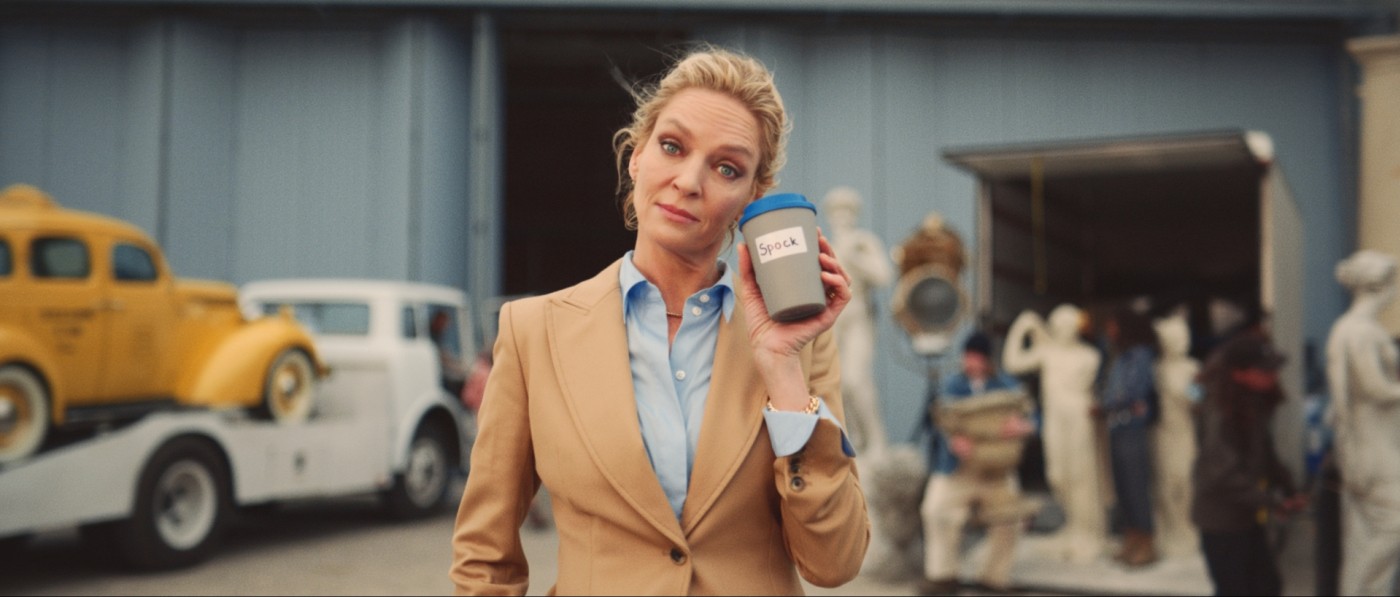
x=422, y=487
x=182, y=504
x=290, y=387
x=24, y=413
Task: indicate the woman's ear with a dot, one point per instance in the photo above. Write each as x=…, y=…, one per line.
x=632, y=163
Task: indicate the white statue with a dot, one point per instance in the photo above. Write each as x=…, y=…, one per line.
x=1175, y=438
x=864, y=258
x=1068, y=367
x=1364, y=413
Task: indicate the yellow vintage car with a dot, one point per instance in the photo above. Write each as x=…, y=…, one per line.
x=93, y=328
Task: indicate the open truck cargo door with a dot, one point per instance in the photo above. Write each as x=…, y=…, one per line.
x=1184, y=219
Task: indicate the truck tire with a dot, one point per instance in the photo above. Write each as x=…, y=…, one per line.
x=24, y=413
x=182, y=505
x=421, y=488
x=290, y=387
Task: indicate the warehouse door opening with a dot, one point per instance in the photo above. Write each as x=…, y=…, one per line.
x=563, y=102
x=1186, y=221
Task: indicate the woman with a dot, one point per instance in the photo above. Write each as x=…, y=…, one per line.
x=689, y=444
x=1128, y=405
x=1237, y=479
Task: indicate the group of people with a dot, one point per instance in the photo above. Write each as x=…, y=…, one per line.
x=1231, y=475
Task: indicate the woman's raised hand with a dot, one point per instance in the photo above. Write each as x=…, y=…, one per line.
x=773, y=339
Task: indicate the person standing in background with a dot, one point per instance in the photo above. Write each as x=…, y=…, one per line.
x=1238, y=481
x=1128, y=404
x=954, y=492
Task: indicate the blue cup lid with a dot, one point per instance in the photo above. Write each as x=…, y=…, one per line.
x=764, y=205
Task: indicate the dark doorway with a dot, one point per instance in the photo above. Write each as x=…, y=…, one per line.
x=564, y=100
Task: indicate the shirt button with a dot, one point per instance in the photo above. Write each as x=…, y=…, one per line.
x=695, y=310
x=704, y=298
x=677, y=555
x=797, y=483
x=680, y=376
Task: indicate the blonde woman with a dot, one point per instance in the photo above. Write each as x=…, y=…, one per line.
x=689, y=444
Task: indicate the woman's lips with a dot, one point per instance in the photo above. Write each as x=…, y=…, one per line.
x=678, y=213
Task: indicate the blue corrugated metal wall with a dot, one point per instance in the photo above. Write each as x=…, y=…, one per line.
x=319, y=147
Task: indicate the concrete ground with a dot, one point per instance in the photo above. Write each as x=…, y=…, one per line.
x=345, y=547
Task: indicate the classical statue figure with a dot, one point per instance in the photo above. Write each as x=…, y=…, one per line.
x=862, y=254
x=1175, y=438
x=1362, y=364
x=1068, y=367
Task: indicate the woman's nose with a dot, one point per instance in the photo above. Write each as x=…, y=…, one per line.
x=690, y=177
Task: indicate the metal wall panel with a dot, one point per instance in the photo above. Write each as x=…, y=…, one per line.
x=251, y=149
x=79, y=114
x=311, y=162
x=198, y=216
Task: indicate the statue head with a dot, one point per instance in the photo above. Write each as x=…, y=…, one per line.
x=842, y=206
x=1065, y=323
x=1368, y=272
x=1173, y=334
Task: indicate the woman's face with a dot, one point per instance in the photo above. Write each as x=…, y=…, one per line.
x=695, y=173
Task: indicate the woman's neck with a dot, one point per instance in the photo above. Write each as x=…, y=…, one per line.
x=675, y=276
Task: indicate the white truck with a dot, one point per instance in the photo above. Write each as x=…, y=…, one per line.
x=386, y=420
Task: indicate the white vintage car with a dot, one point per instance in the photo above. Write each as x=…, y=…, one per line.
x=397, y=352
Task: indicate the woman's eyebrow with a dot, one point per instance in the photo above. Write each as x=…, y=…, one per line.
x=685, y=131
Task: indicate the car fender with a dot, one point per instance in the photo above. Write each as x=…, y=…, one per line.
x=19, y=347
x=414, y=414
x=234, y=371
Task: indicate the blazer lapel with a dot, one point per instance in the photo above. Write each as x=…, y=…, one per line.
x=733, y=416
x=588, y=340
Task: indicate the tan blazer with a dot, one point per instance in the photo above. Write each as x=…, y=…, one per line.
x=559, y=409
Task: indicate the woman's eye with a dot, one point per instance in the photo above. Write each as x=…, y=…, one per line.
x=670, y=147
x=728, y=171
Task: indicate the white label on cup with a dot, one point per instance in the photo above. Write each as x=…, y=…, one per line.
x=781, y=243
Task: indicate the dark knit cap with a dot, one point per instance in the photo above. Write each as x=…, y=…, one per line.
x=978, y=342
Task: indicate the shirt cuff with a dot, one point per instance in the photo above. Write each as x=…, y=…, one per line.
x=789, y=430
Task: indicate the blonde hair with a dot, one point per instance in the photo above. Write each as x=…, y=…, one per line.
x=725, y=71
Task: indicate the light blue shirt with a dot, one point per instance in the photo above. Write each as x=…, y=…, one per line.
x=671, y=384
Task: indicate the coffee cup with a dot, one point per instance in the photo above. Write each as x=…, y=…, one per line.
x=781, y=234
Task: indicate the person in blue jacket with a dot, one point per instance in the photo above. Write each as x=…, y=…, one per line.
x=1128, y=405
x=952, y=493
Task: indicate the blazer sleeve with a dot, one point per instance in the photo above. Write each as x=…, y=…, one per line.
x=825, y=523
x=487, y=557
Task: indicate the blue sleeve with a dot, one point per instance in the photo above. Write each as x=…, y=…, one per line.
x=789, y=431
x=1141, y=385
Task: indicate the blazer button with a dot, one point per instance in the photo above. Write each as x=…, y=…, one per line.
x=797, y=484
x=677, y=555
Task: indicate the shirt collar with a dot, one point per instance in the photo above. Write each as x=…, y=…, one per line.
x=633, y=284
